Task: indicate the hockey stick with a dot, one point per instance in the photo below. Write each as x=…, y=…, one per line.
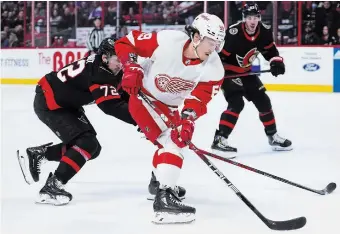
x=274, y=225
x=246, y=74
x=327, y=190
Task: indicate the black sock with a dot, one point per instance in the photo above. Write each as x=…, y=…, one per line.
x=227, y=122
x=55, y=152
x=71, y=162
x=268, y=121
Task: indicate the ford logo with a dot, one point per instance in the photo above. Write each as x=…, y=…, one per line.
x=311, y=67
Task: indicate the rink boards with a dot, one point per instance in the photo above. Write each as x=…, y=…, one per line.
x=308, y=69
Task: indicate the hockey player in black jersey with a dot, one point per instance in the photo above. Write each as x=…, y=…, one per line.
x=59, y=100
x=243, y=42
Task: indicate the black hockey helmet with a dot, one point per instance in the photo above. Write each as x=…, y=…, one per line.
x=107, y=47
x=250, y=9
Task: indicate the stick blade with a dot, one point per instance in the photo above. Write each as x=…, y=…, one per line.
x=330, y=188
x=292, y=224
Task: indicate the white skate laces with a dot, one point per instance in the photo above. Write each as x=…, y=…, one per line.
x=277, y=138
x=40, y=162
x=173, y=194
x=176, y=189
x=59, y=185
x=223, y=142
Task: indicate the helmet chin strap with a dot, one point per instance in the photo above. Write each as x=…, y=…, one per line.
x=195, y=45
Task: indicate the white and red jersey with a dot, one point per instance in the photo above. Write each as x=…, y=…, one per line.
x=168, y=76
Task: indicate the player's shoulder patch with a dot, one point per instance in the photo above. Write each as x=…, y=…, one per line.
x=234, y=28
x=266, y=26
x=233, y=31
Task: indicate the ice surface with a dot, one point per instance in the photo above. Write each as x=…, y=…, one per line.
x=110, y=192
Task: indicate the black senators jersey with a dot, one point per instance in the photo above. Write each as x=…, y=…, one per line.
x=241, y=49
x=85, y=82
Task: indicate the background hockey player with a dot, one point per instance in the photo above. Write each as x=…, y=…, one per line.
x=243, y=42
x=179, y=68
x=58, y=103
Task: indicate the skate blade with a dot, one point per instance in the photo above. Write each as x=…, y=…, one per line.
x=226, y=155
x=24, y=168
x=279, y=148
x=171, y=218
x=46, y=199
x=152, y=198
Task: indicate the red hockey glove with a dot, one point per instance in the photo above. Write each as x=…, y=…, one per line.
x=182, y=134
x=132, y=78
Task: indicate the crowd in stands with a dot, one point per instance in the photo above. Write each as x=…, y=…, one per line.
x=320, y=19
x=321, y=23
x=12, y=22
x=161, y=12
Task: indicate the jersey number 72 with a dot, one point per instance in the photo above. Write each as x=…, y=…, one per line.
x=74, y=69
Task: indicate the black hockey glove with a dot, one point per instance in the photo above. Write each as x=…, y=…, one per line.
x=277, y=67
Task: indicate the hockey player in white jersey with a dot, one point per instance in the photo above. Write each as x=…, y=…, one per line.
x=179, y=68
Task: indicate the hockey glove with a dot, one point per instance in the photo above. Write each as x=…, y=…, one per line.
x=132, y=78
x=277, y=67
x=183, y=133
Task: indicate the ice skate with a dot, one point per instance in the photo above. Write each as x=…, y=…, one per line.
x=221, y=147
x=53, y=192
x=154, y=185
x=169, y=209
x=30, y=163
x=279, y=143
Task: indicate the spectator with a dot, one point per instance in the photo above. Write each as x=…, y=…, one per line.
x=336, y=38
x=4, y=19
x=326, y=38
x=326, y=16
x=111, y=14
x=123, y=32
x=6, y=30
x=19, y=20
x=41, y=11
x=148, y=8
x=19, y=32
x=68, y=19
x=83, y=14
x=55, y=19
x=71, y=6
x=286, y=9
x=56, y=7
x=13, y=40
x=309, y=37
x=4, y=40
x=130, y=7
x=55, y=42
x=96, y=12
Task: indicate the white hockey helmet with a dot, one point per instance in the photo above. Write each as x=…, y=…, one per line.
x=210, y=26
